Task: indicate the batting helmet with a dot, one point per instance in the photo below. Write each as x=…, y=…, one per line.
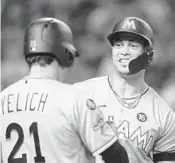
x=50, y=35
x=138, y=27
x=135, y=26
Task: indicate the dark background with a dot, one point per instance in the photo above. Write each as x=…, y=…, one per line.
x=91, y=21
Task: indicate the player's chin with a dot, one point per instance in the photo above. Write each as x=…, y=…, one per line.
x=124, y=71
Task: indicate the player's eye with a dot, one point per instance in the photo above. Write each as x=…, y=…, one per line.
x=134, y=45
x=118, y=44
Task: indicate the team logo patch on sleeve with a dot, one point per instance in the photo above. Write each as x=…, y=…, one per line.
x=91, y=104
x=98, y=120
x=142, y=117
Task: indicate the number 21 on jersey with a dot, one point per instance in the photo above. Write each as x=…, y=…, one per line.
x=33, y=130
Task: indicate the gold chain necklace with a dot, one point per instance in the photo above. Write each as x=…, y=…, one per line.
x=130, y=105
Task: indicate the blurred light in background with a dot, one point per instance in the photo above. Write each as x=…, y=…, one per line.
x=91, y=21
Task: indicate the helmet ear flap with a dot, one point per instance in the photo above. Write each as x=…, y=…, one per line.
x=69, y=58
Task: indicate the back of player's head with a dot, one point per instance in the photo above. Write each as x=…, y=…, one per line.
x=42, y=59
x=46, y=37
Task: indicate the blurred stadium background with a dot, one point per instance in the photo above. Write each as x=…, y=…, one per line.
x=91, y=21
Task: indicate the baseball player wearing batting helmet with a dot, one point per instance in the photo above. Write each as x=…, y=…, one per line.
x=43, y=120
x=144, y=122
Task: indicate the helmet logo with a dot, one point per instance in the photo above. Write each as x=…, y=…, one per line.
x=129, y=24
x=32, y=45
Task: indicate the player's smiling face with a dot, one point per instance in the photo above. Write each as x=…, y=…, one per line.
x=125, y=48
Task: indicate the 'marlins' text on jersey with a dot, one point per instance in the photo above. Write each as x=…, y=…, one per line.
x=144, y=140
x=31, y=101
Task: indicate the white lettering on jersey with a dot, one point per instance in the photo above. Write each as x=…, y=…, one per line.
x=129, y=24
x=124, y=128
x=144, y=140
x=141, y=138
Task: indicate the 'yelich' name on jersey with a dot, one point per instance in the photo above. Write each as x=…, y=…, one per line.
x=31, y=101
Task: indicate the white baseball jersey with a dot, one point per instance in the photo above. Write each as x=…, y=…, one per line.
x=43, y=122
x=145, y=131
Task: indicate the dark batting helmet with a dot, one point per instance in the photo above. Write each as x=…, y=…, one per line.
x=133, y=25
x=136, y=27
x=50, y=36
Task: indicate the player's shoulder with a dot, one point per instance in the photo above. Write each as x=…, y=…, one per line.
x=10, y=88
x=67, y=91
x=70, y=97
x=97, y=88
x=159, y=102
x=156, y=97
x=92, y=83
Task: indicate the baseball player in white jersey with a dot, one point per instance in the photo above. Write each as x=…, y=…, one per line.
x=144, y=123
x=46, y=121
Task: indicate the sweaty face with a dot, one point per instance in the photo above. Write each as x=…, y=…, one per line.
x=125, y=48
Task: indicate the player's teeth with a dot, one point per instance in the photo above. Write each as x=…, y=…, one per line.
x=124, y=60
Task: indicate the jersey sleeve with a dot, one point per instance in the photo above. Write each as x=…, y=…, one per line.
x=165, y=146
x=96, y=134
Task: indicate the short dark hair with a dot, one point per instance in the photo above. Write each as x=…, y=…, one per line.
x=42, y=59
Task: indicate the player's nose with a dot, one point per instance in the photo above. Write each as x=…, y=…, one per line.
x=125, y=50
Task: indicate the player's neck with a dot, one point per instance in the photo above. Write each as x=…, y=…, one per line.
x=43, y=72
x=128, y=87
